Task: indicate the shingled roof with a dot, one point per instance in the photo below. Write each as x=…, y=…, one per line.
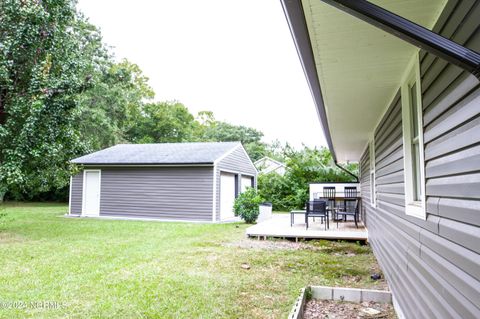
x=158, y=154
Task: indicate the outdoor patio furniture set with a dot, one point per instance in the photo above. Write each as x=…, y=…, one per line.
x=330, y=205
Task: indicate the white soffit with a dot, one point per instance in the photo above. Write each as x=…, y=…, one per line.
x=360, y=66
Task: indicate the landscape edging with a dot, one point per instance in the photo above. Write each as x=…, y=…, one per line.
x=338, y=293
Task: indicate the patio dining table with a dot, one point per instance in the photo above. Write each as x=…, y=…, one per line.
x=303, y=212
x=329, y=209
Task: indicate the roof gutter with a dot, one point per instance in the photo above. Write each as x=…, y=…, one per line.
x=347, y=171
x=412, y=33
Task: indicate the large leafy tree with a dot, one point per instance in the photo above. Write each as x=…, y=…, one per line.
x=225, y=132
x=163, y=122
x=47, y=56
x=111, y=109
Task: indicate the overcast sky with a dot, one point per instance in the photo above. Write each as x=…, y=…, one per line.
x=235, y=58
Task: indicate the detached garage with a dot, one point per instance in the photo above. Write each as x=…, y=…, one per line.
x=171, y=181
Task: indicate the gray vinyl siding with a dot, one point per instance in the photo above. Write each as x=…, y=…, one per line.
x=179, y=193
x=76, y=194
x=237, y=162
x=432, y=266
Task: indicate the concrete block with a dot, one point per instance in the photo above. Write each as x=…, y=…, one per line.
x=376, y=296
x=321, y=292
x=299, y=306
x=347, y=294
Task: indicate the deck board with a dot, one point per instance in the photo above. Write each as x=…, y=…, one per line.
x=279, y=226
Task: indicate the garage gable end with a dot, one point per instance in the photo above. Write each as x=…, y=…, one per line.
x=238, y=164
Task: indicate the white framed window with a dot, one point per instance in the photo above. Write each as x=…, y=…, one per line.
x=414, y=162
x=373, y=190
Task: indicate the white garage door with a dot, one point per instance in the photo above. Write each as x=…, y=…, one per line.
x=246, y=182
x=227, y=195
x=91, y=195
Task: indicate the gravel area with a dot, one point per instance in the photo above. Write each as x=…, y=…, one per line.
x=271, y=244
x=330, y=309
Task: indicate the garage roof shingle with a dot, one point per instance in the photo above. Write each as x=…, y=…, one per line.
x=158, y=154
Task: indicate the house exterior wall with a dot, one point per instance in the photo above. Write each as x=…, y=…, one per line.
x=176, y=193
x=432, y=265
x=237, y=162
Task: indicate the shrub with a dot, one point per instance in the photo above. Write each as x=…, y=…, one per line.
x=303, y=167
x=246, y=205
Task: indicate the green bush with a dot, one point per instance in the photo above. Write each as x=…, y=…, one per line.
x=303, y=167
x=246, y=205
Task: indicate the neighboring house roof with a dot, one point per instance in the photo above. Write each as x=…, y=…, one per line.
x=159, y=154
x=267, y=165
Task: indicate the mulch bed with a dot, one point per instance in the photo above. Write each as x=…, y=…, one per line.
x=330, y=309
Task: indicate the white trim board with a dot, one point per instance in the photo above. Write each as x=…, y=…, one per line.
x=99, y=189
x=413, y=208
x=372, y=173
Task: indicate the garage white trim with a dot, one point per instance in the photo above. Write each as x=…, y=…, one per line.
x=91, y=192
x=227, y=195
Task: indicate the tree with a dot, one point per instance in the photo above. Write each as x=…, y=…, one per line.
x=163, y=122
x=224, y=132
x=46, y=58
x=303, y=167
x=109, y=110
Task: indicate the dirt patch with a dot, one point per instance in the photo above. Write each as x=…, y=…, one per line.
x=330, y=309
x=271, y=245
x=10, y=238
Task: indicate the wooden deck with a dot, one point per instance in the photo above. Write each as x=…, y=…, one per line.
x=279, y=226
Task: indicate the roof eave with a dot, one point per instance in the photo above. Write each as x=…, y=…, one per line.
x=294, y=13
x=144, y=164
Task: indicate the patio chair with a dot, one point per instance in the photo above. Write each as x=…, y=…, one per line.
x=349, y=195
x=329, y=194
x=317, y=208
x=350, y=209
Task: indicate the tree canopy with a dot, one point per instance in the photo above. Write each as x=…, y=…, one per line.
x=303, y=167
x=47, y=55
x=65, y=95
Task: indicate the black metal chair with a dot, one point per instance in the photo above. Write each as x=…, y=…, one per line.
x=350, y=209
x=317, y=208
x=329, y=194
x=350, y=194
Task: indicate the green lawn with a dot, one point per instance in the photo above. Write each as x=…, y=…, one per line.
x=94, y=268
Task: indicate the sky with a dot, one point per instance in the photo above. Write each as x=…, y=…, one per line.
x=234, y=58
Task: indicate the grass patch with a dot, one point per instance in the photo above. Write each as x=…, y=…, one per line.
x=94, y=268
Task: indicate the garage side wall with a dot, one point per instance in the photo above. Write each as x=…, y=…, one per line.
x=237, y=162
x=177, y=193
x=76, y=194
